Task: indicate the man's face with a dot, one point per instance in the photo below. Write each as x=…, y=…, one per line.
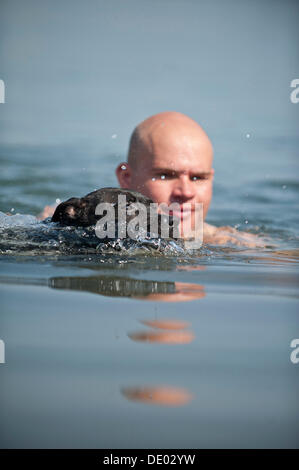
x=176, y=169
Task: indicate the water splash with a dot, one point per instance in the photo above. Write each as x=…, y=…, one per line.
x=24, y=234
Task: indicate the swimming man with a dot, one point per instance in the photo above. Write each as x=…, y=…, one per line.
x=170, y=161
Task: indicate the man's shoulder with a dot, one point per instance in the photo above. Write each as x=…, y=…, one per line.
x=225, y=234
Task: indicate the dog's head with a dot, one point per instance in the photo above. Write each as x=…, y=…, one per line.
x=72, y=212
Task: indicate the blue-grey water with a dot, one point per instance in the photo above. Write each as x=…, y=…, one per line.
x=142, y=349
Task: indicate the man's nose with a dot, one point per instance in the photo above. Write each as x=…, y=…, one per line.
x=183, y=189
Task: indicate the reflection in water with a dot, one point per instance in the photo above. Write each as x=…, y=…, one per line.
x=183, y=292
x=189, y=267
x=174, y=336
x=158, y=395
x=113, y=286
x=174, y=331
x=116, y=286
x=166, y=324
x=167, y=337
x=277, y=257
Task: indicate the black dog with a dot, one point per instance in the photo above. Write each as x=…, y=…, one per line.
x=81, y=211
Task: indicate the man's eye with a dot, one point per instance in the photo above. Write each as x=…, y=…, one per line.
x=165, y=176
x=198, y=177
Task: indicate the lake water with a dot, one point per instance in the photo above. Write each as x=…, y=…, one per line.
x=143, y=350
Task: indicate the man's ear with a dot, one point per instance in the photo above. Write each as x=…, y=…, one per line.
x=124, y=175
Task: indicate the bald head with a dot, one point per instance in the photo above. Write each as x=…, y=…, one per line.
x=163, y=130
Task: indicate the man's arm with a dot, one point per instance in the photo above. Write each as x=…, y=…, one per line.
x=47, y=211
x=222, y=235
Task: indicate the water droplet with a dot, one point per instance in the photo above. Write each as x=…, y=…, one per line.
x=58, y=201
x=12, y=209
x=123, y=167
x=246, y=221
x=153, y=179
x=248, y=136
x=113, y=136
x=284, y=186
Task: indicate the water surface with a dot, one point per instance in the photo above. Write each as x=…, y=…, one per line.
x=143, y=349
